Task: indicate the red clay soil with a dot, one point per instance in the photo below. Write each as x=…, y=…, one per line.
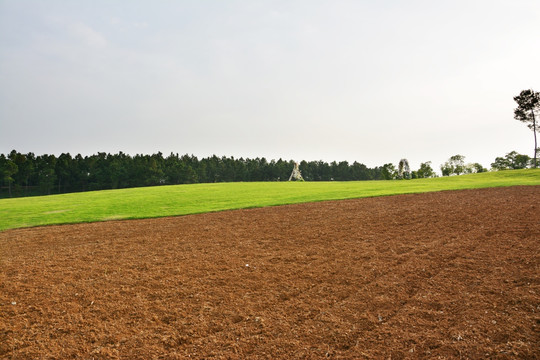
x=440, y=275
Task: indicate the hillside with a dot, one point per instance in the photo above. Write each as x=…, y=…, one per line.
x=177, y=200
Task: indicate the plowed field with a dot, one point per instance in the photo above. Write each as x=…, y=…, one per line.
x=439, y=275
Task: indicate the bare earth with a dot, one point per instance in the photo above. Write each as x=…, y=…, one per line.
x=439, y=275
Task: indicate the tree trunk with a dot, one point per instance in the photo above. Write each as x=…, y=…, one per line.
x=535, y=143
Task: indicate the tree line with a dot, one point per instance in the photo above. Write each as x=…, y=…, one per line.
x=28, y=174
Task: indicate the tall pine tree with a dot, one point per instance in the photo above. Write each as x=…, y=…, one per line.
x=528, y=109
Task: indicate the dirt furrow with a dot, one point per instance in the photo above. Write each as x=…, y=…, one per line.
x=440, y=275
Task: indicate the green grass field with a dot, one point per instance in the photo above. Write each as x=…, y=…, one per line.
x=199, y=198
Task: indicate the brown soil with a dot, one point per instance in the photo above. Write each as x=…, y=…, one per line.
x=438, y=275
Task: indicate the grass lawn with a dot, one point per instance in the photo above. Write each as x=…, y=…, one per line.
x=199, y=198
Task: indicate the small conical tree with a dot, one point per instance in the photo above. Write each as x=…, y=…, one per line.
x=404, y=170
x=296, y=174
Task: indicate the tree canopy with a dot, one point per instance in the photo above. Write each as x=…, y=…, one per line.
x=456, y=166
x=512, y=160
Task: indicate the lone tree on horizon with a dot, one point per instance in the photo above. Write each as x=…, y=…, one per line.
x=528, y=106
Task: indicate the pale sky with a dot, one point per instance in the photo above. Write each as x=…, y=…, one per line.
x=367, y=81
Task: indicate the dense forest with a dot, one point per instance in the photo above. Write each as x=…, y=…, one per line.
x=28, y=174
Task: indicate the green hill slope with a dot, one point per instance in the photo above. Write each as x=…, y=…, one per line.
x=199, y=198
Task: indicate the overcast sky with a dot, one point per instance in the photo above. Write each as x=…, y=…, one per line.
x=366, y=81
